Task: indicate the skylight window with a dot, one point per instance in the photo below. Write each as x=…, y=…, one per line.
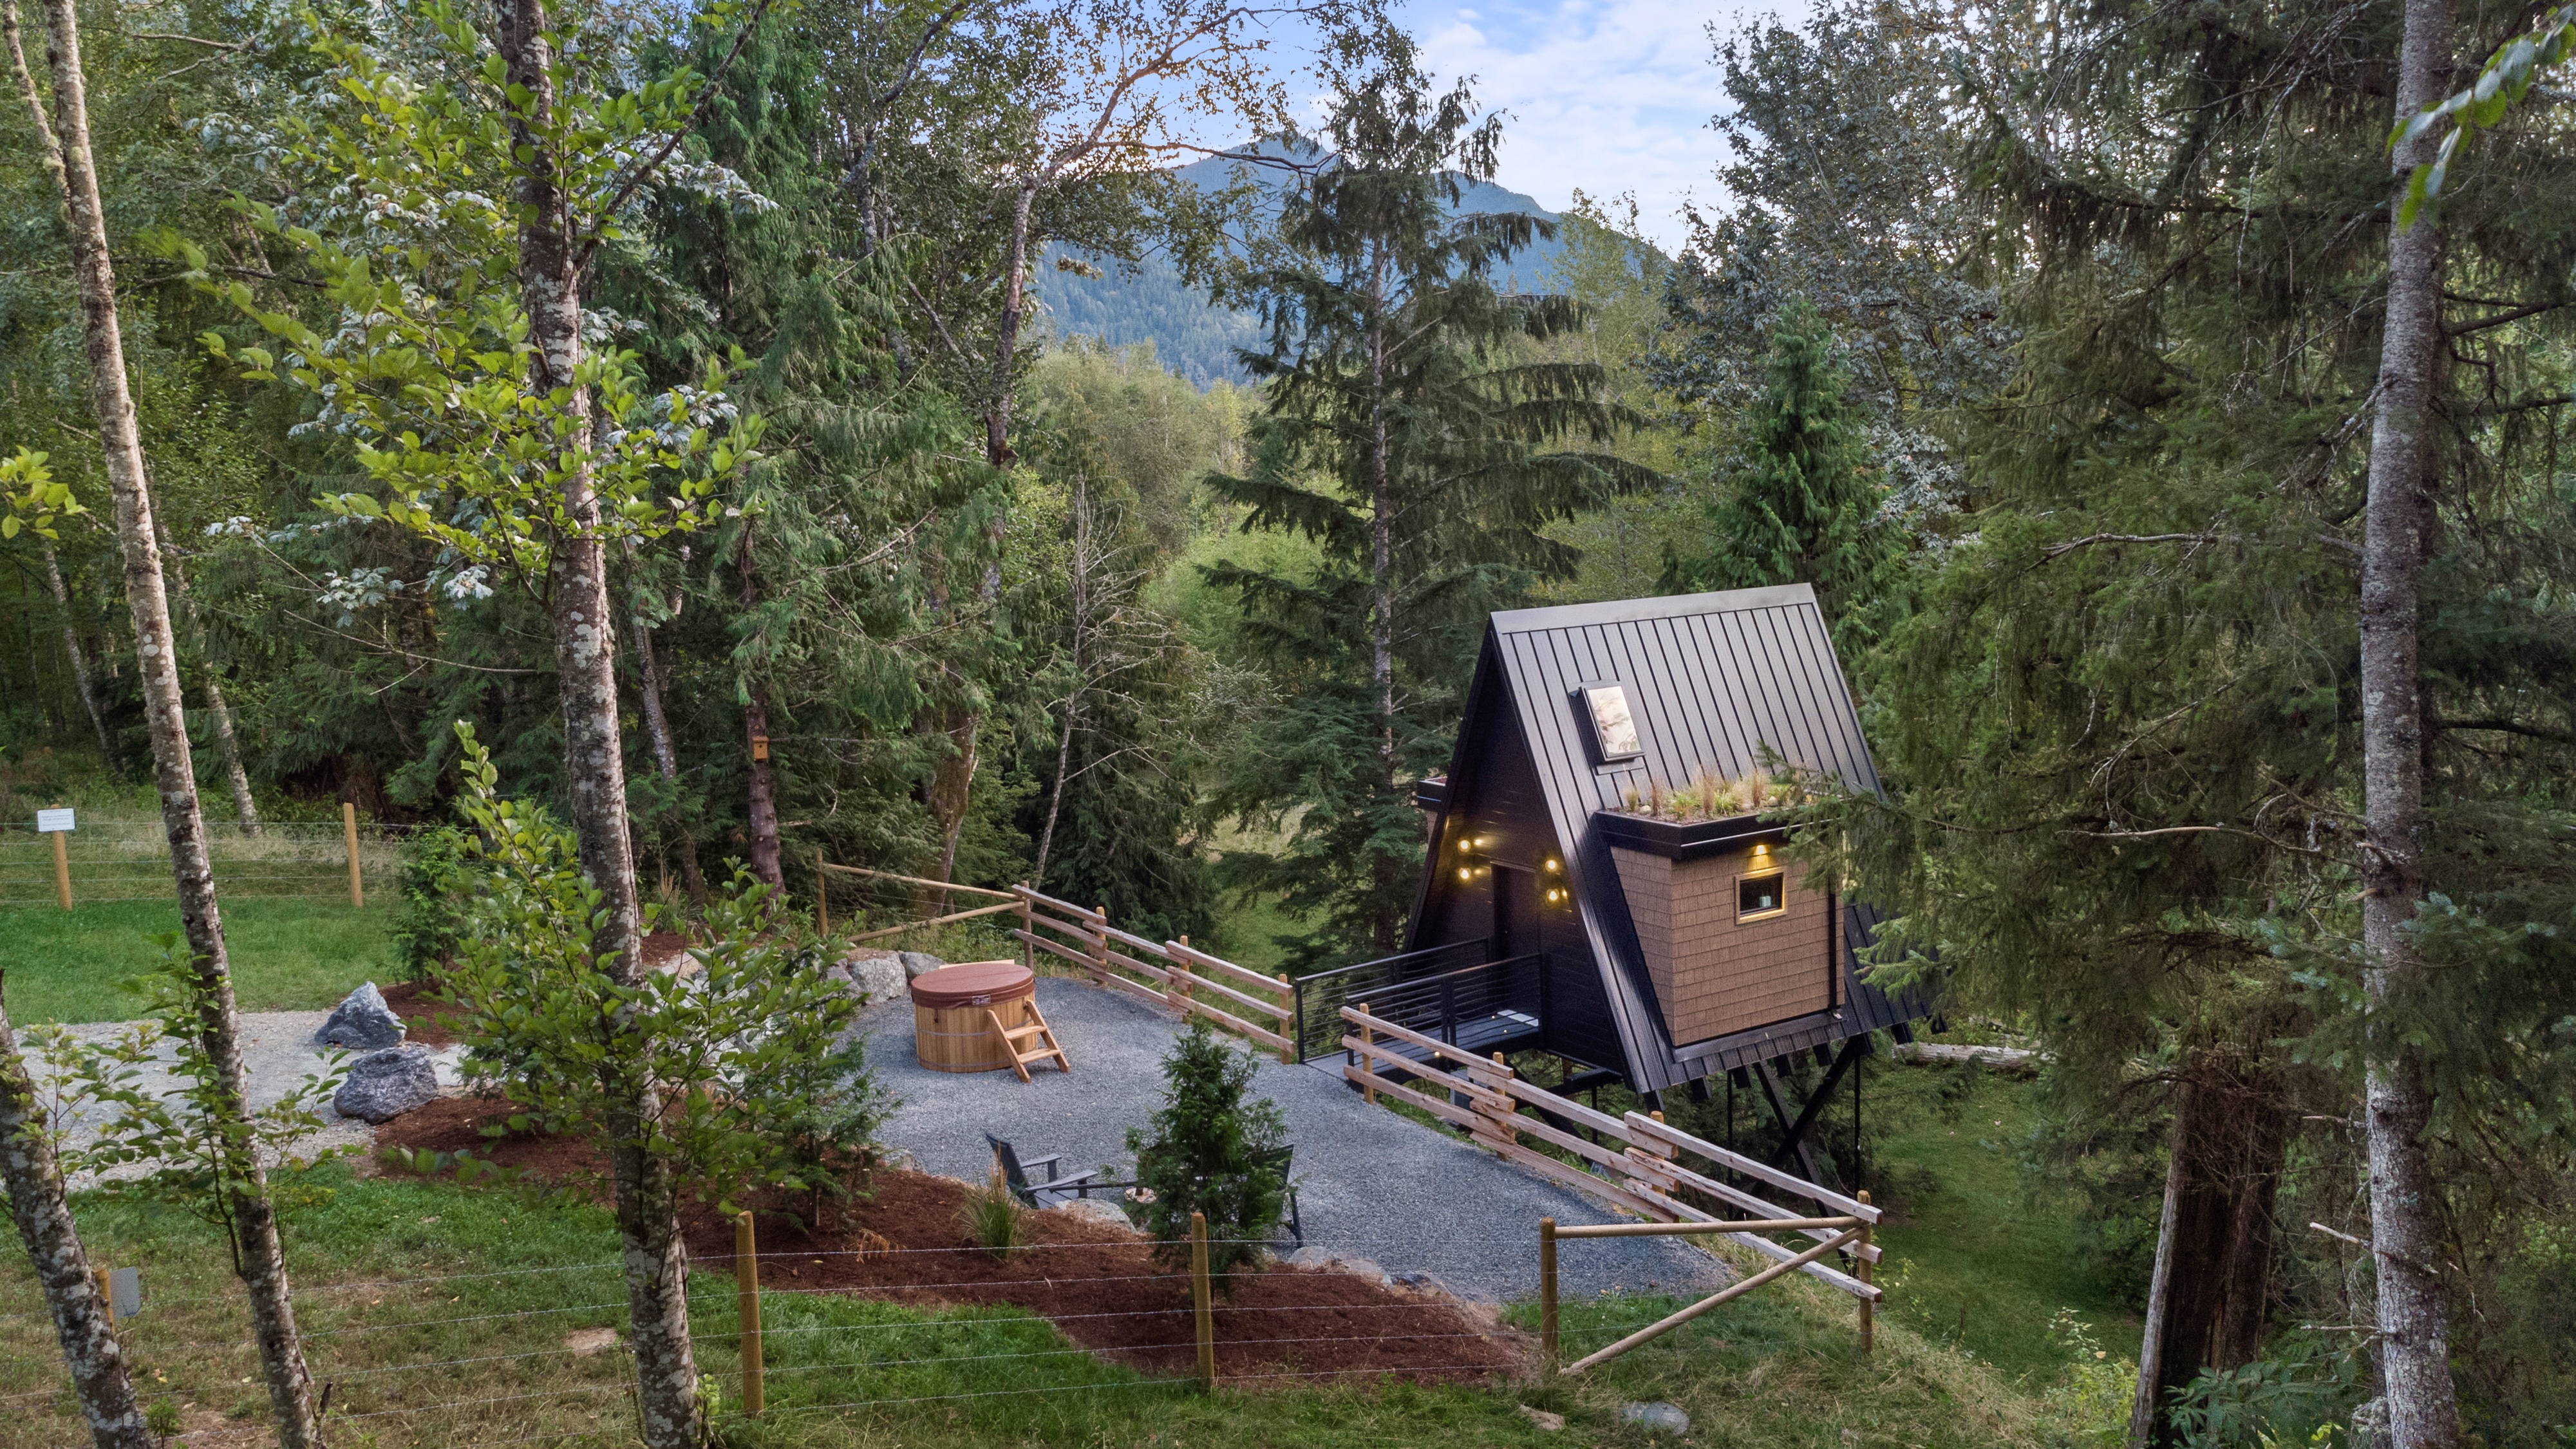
x=1614, y=726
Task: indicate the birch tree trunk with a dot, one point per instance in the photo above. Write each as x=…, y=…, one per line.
x=44, y=1218
x=594, y=761
x=245, y=808
x=262, y=1261
x=760, y=816
x=80, y=658
x=2414, y=1303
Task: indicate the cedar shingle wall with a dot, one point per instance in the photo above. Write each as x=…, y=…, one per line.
x=1713, y=975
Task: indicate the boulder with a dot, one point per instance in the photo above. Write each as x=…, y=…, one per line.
x=362, y=1021
x=1657, y=1418
x=916, y=963
x=1547, y=1423
x=874, y=978
x=384, y=1085
x=1098, y=1209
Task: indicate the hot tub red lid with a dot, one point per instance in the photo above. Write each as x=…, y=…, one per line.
x=973, y=983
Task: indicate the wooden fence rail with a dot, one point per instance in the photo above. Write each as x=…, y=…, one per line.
x=1636, y=1166
x=1172, y=974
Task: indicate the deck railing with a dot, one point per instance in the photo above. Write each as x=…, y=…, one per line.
x=1320, y=995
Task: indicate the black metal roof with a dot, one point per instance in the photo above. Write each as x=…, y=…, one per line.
x=1714, y=681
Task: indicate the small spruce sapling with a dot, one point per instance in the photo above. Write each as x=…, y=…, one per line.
x=1203, y=1152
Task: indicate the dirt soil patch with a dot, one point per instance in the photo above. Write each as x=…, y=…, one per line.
x=1102, y=1285
x=1098, y=1282
x=456, y=1124
x=427, y=1022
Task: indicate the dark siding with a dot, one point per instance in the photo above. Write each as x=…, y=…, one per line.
x=1714, y=680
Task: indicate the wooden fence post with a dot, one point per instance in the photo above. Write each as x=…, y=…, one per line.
x=746, y=1280
x=62, y=870
x=1368, y=1064
x=1028, y=930
x=1296, y=1031
x=106, y=1295
x=1547, y=1292
x=1199, y=1299
x=1100, y=943
x=1176, y=985
x=1860, y=1270
x=349, y=833
x=822, y=896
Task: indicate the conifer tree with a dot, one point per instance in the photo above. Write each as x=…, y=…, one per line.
x=1804, y=505
x=1408, y=437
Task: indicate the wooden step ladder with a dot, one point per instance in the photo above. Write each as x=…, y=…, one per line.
x=1013, y=1036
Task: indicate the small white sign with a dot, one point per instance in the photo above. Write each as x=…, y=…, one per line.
x=49, y=821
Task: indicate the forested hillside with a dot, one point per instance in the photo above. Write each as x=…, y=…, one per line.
x=1200, y=337
x=677, y=449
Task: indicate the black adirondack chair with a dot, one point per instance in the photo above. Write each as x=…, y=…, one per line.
x=1052, y=1189
x=1277, y=1160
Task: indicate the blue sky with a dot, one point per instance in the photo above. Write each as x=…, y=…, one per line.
x=1605, y=95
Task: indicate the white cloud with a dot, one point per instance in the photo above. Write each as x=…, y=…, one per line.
x=1605, y=95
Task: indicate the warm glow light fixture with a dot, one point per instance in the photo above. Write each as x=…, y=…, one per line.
x=1554, y=864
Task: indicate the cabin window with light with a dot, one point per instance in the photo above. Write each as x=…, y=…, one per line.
x=1759, y=895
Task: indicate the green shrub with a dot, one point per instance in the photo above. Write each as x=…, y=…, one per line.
x=440, y=879
x=1203, y=1153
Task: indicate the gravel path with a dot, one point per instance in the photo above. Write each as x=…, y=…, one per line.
x=277, y=1050
x=1370, y=1184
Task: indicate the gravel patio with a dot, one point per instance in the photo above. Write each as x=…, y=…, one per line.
x=1371, y=1185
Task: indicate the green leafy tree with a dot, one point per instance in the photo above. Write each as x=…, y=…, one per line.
x=737, y=1060
x=1204, y=1151
x=460, y=370
x=1804, y=504
x=1406, y=433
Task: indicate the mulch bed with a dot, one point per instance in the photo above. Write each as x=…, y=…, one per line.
x=1102, y=1285
x=1099, y=1283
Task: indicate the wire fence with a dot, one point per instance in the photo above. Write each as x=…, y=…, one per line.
x=499, y=1357
x=129, y=860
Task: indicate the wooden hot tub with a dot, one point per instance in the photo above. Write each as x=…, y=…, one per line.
x=953, y=1010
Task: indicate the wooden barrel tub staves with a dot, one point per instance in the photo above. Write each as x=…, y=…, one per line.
x=953, y=1009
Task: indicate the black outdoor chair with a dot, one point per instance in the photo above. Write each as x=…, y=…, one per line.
x=1278, y=1159
x=1054, y=1189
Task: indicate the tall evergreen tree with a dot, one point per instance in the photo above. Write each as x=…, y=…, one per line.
x=1803, y=506
x=1406, y=434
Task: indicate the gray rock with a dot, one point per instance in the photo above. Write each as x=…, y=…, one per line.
x=1656, y=1418
x=384, y=1085
x=1423, y=1281
x=917, y=962
x=1547, y=1423
x=1098, y=1209
x=875, y=978
x=362, y=1021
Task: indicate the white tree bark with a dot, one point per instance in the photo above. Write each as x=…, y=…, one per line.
x=44, y=1217
x=64, y=139
x=648, y=1219
x=2406, y=1241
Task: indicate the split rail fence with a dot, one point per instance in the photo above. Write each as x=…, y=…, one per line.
x=1640, y=1161
x=1171, y=974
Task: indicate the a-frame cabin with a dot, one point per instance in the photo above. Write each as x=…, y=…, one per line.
x=1562, y=910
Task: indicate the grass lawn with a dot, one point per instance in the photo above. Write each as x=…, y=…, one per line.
x=443, y=1315
x=286, y=954
x=1979, y=1261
